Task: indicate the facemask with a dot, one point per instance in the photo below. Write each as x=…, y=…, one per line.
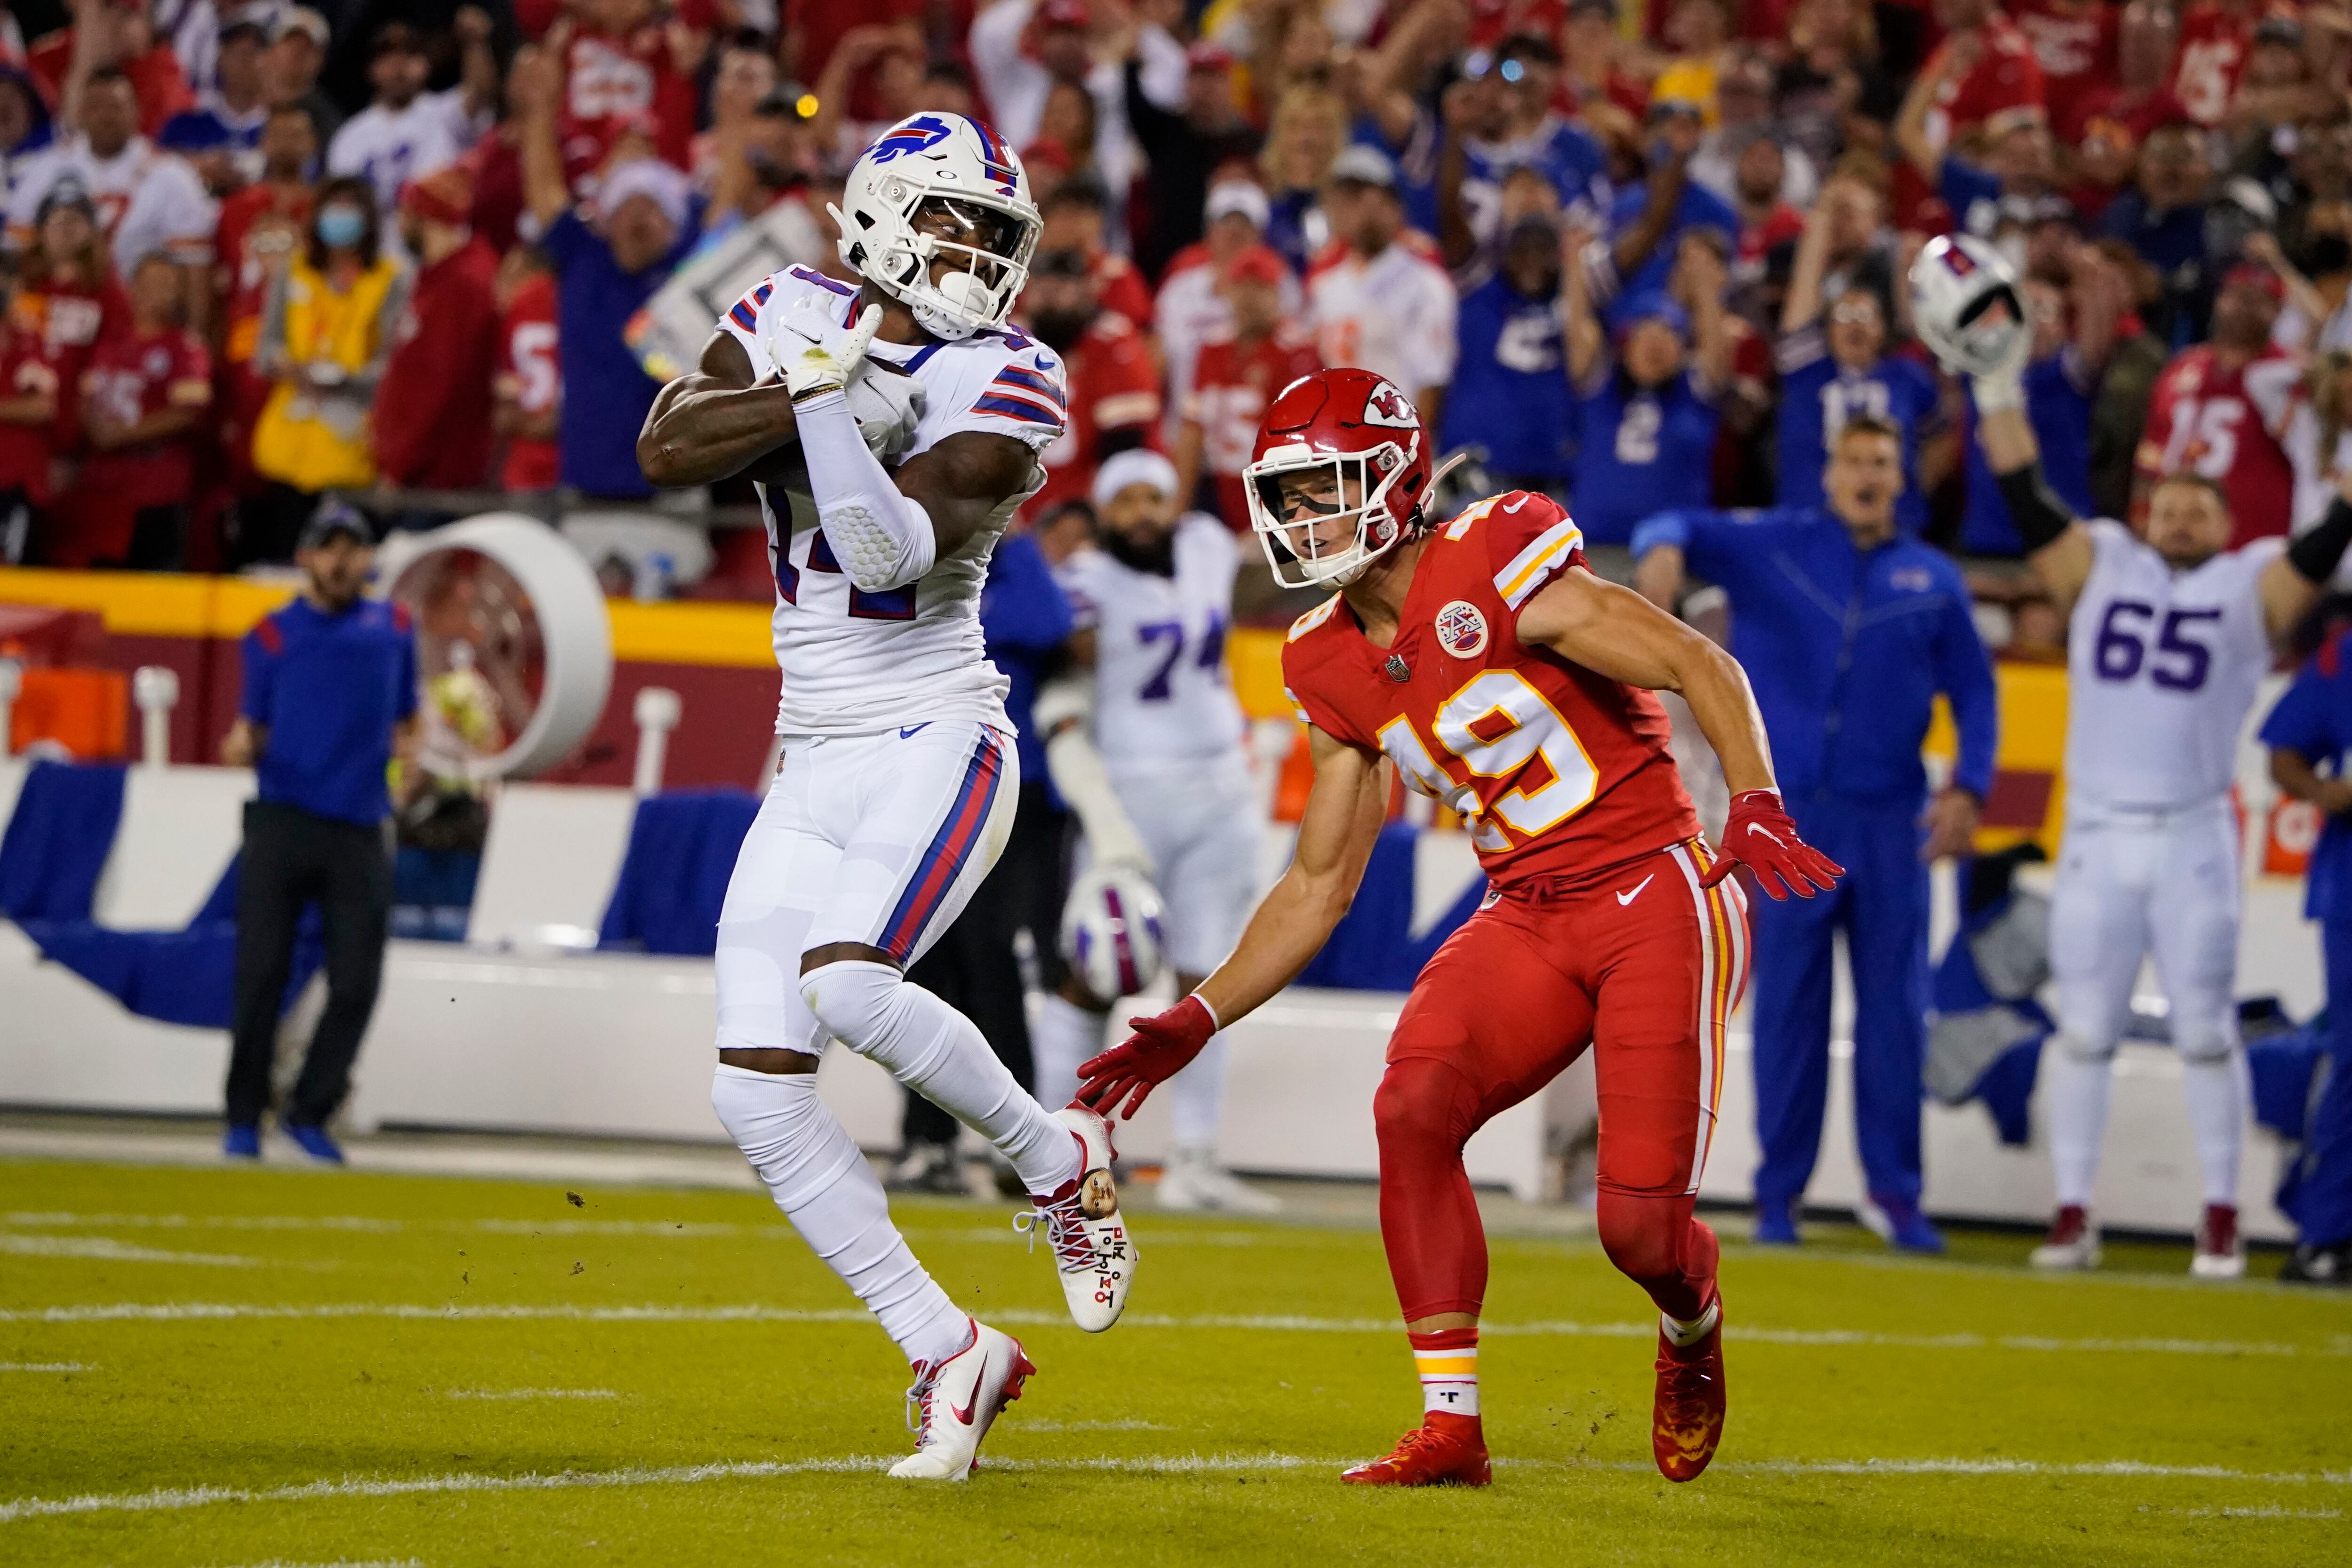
x=341, y=226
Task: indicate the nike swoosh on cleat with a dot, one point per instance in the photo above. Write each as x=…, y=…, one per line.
x=962, y=1414
x=914, y=729
x=1624, y=899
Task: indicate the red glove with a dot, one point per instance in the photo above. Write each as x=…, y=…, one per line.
x=1760, y=834
x=1160, y=1048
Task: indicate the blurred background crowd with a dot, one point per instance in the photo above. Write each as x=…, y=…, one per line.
x=1641, y=256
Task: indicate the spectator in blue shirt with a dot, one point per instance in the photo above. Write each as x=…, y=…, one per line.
x=1024, y=621
x=1646, y=222
x=329, y=696
x=1499, y=119
x=1849, y=631
x=1833, y=371
x=1510, y=394
x=2309, y=730
x=2162, y=218
x=2061, y=383
x=1645, y=413
x=606, y=266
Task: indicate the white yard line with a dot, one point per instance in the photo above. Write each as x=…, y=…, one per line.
x=176, y=1498
x=172, y=1312
x=44, y=1366
x=107, y=1250
x=532, y=1394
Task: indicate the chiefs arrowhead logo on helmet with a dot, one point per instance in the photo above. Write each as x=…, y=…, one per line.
x=1384, y=404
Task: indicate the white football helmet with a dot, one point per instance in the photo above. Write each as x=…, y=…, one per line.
x=937, y=185
x=1112, y=932
x=1967, y=307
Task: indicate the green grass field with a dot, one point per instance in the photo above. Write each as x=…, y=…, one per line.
x=216, y=1367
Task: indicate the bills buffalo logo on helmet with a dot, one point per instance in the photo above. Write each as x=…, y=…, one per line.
x=1384, y=404
x=1461, y=629
x=918, y=135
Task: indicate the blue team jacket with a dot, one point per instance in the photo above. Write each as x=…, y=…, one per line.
x=1847, y=649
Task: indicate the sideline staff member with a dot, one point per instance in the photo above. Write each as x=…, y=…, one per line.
x=330, y=695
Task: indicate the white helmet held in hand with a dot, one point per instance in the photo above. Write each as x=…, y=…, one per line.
x=1967, y=307
x=1111, y=931
x=933, y=186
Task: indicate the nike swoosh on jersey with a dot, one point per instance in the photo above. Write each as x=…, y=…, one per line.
x=1624, y=899
x=914, y=729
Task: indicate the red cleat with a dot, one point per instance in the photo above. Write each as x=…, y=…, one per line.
x=1686, y=1422
x=1445, y=1450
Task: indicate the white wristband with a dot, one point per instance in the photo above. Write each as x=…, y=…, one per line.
x=1212, y=1012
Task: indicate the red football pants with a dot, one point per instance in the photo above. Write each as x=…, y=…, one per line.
x=1645, y=968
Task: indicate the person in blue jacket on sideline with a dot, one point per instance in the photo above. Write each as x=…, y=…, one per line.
x=1848, y=631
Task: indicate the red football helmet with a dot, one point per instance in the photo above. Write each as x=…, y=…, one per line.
x=1365, y=431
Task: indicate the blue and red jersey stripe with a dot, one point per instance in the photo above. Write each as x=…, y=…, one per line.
x=943, y=861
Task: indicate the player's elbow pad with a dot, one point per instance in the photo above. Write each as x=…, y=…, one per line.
x=882, y=542
x=2039, y=516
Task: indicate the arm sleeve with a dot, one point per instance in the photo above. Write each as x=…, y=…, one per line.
x=883, y=539
x=2039, y=513
x=261, y=678
x=1711, y=542
x=1967, y=681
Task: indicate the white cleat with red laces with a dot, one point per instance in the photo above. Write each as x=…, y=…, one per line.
x=1082, y=1223
x=954, y=1402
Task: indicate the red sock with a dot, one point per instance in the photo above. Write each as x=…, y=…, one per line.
x=1447, y=1361
x=1661, y=1248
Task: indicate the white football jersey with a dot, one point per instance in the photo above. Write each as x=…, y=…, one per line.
x=1161, y=693
x=855, y=662
x=2162, y=666
x=147, y=200
x=390, y=147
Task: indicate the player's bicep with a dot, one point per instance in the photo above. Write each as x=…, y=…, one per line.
x=962, y=479
x=2064, y=564
x=1610, y=631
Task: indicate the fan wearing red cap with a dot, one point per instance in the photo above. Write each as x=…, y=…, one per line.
x=2221, y=409
x=1242, y=368
x=1482, y=660
x=432, y=410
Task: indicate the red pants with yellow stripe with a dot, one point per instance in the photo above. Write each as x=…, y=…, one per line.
x=1642, y=965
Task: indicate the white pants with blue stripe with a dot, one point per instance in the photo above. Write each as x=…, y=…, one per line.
x=877, y=839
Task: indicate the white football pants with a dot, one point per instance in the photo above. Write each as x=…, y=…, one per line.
x=2128, y=884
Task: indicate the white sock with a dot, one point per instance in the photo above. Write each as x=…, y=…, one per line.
x=1197, y=1096
x=940, y=1054
x=832, y=1197
x=1449, y=1373
x=1682, y=1335
x=2217, y=1089
x=1062, y=1035
x=2076, y=1106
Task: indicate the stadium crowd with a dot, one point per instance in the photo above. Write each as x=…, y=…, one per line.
x=1642, y=258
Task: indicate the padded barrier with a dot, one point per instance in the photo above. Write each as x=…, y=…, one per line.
x=673, y=879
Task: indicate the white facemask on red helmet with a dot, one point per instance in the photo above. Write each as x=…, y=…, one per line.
x=1360, y=437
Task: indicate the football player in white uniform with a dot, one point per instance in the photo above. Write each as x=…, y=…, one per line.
x=2169, y=636
x=1152, y=605
x=896, y=782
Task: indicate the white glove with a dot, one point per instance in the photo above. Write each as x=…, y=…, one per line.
x=888, y=406
x=2002, y=388
x=815, y=354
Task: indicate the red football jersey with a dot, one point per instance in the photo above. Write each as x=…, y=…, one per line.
x=1232, y=384
x=1114, y=385
x=2226, y=426
x=2214, y=43
x=2004, y=85
x=2075, y=43
x=529, y=378
x=1558, y=772
x=131, y=375
x=611, y=84
x=25, y=372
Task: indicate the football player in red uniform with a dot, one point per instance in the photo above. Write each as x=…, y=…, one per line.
x=1498, y=674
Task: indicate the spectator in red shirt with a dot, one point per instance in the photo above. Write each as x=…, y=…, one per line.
x=1113, y=376
x=1995, y=79
x=1239, y=371
x=67, y=299
x=622, y=67
x=28, y=407
x=529, y=382
x=2216, y=38
x=144, y=397
x=1076, y=216
x=433, y=408
x=2221, y=408
x=2075, y=44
